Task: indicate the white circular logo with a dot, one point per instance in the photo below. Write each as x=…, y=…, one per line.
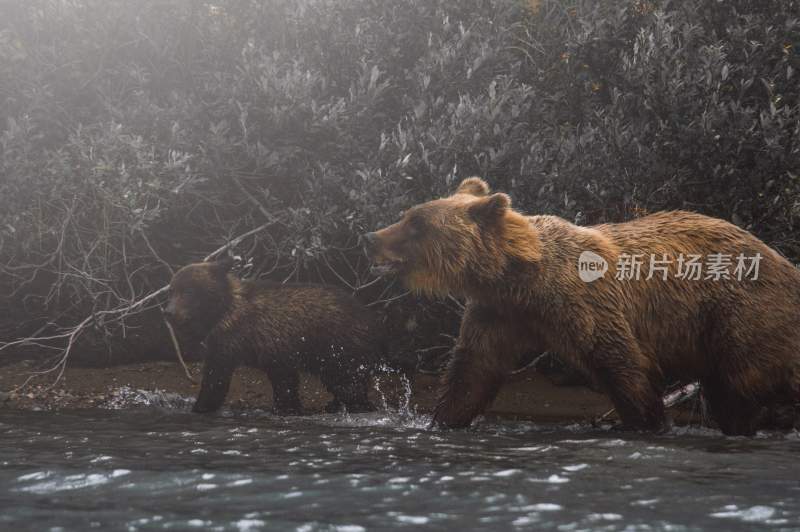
x=591, y=266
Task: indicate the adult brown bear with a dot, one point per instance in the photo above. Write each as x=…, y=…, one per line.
x=282, y=329
x=541, y=283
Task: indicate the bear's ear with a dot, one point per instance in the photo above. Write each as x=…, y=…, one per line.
x=489, y=209
x=223, y=265
x=473, y=185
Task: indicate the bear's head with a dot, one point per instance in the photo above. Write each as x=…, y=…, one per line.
x=199, y=296
x=448, y=245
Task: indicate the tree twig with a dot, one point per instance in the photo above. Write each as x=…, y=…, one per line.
x=177, y=347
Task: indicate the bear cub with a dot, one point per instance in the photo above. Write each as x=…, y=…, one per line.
x=281, y=329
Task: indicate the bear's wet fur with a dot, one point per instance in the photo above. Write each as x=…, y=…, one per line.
x=280, y=328
x=520, y=278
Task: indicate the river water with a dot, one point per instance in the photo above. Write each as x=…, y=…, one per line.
x=163, y=468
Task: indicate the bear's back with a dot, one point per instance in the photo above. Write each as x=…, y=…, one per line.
x=685, y=231
x=302, y=299
x=306, y=321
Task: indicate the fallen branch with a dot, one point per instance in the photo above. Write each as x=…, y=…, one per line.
x=531, y=364
x=681, y=395
x=675, y=397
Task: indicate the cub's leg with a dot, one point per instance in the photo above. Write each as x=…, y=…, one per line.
x=285, y=391
x=627, y=375
x=217, y=373
x=349, y=389
x=487, y=351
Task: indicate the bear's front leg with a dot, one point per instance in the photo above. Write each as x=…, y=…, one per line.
x=486, y=353
x=285, y=391
x=469, y=387
x=627, y=374
x=217, y=373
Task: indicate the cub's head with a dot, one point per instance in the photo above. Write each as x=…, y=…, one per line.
x=199, y=295
x=449, y=244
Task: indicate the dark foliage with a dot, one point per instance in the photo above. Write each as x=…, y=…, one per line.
x=135, y=136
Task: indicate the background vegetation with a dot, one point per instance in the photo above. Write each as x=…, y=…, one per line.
x=136, y=136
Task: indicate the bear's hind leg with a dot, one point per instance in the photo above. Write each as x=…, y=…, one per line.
x=350, y=391
x=735, y=414
x=754, y=363
x=285, y=391
x=752, y=374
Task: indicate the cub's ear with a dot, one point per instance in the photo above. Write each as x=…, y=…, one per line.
x=489, y=209
x=473, y=185
x=223, y=265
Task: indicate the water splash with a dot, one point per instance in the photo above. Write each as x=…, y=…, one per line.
x=405, y=413
x=127, y=397
x=401, y=413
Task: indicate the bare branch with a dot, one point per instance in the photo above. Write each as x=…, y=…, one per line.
x=177, y=347
x=389, y=300
x=106, y=316
x=153, y=251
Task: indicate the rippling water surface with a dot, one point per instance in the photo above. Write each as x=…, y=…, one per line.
x=161, y=468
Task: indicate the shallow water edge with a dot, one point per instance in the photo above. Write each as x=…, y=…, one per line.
x=163, y=468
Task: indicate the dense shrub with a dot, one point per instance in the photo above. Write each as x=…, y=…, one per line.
x=139, y=135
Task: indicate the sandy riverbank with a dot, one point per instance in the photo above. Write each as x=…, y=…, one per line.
x=528, y=395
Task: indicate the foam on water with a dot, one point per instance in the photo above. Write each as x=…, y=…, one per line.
x=754, y=514
x=56, y=483
x=246, y=525
x=127, y=397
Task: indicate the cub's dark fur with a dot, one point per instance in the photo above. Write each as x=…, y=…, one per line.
x=282, y=329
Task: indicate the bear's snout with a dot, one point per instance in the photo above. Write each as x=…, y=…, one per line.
x=171, y=312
